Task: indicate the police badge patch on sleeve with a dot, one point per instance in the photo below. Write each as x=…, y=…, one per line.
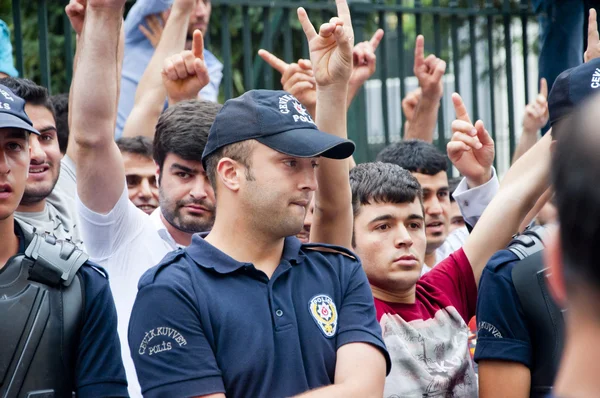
x=322, y=308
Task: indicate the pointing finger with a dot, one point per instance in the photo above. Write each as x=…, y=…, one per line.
x=376, y=39
x=459, y=108
x=276, y=63
x=198, y=44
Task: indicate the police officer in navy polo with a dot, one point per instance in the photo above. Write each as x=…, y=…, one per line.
x=59, y=322
x=247, y=310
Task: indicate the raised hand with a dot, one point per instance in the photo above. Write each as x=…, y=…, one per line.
x=296, y=78
x=536, y=113
x=471, y=149
x=331, y=48
x=593, y=41
x=76, y=12
x=154, y=29
x=185, y=74
x=364, y=59
x=429, y=71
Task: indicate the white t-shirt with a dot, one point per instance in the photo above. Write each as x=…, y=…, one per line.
x=126, y=242
x=59, y=217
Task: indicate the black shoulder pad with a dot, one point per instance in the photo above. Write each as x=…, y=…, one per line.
x=325, y=248
x=529, y=242
x=53, y=262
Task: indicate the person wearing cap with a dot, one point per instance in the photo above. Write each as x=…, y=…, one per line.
x=251, y=311
x=59, y=335
x=48, y=203
x=520, y=338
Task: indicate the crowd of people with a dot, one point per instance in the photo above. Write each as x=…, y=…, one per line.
x=156, y=243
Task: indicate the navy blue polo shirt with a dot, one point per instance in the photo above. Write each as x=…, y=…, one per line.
x=501, y=326
x=99, y=370
x=205, y=323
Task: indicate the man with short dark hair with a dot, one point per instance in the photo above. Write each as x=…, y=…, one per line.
x=424, y=318
x=140, y=172
x=48, y=202
x=309, y=306
x=59, y=328
x=429, y=166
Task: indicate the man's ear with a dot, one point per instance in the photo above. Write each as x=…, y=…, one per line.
x=229, y=173
x=554, y=264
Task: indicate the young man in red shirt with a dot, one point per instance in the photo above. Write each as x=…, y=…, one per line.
x=424, y=319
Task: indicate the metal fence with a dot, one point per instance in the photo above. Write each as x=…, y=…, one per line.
x=486, y=43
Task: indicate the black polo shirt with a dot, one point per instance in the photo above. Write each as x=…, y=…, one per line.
x=205, y=323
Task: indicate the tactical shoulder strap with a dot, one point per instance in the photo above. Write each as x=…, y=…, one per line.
x=543, y=317
x=52, y=262
x=528, y=243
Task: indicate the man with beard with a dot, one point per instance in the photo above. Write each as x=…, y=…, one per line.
x=48, y=202
x=139, y=50
x=140, y=172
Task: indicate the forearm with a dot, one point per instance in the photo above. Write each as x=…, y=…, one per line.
x=527, y=140
x=522, y=186
x=353, y=88
x=97, y=72
x=99, y=165
x=333, y=208
x=150, y=94
x=341, y=391
x=423, y=123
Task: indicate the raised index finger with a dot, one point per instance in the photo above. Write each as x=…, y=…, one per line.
x=376, y=39
x=544, y=87
x=592, y=28
x=276, y=63
x=460, y=109
x=419, y=50
x=198, y=44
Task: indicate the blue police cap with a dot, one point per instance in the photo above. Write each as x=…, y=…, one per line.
x=12, y=111
x=572, y=87
x=277, y=120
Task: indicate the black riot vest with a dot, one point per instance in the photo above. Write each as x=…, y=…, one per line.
x=41, y=312
x=544, y=319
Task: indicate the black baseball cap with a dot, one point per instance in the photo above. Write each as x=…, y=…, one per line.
x=12, y=111
x=277, y=120
x=572, y=87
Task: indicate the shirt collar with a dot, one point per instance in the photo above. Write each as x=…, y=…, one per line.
x=161, y=229
x=208, y=256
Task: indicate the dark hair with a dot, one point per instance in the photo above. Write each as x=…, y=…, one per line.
x=61, y=115
x=139, y=145
x=238, y=151
x=30, y=92
x=575, y=166
x=415, y=156
x=380, y=182
x=182, y=129
x=452, y=185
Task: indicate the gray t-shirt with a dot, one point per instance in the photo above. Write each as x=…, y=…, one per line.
x=60, y=216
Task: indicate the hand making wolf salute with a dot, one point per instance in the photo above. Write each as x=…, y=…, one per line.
x=309, y=307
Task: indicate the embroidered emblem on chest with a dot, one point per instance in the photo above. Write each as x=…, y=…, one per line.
x=322, y=309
